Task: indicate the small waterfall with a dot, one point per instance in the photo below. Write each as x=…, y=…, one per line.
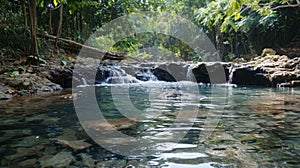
x=119, y=76
x=231, y=71
x=84, y=81
x=190, y=74
x=146, y=75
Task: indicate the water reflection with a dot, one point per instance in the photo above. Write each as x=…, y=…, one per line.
x=259, y=127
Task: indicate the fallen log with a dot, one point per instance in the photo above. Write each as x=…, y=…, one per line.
x=74, y=46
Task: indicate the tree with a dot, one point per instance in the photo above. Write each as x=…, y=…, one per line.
x=33, y=25
x=247, y=24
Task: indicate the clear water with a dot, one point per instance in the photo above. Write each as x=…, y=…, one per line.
x=256, y=127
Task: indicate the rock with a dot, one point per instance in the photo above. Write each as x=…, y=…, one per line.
x=111, y=163
x=266, y=70
x=61, y=159
x=87, y=160
x=271, y=70
x=4, y=94
x=75, y=144
x=268, y=51
x=29, y=81
x=30, y=163
x=31, y=141
x=63, y=77
x=109, y=125
x=22, y=153
x=294, y=83
x=17, y=133
x=248, y=75
x=68, y=134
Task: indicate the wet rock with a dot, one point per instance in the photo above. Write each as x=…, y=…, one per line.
x=29, y=163
x=4, y=94
x=87, y=160
x=38, y=117
x=271, y=70
x=109, y=125
x=294, y=83
x=61, y=159
x=248, y=75
x=30, y=141
x=29, y=81
x=22, y=153
x=111, y=163
x=170, y=72
x=211, y=72
x=17, y=133
x=68, y=134
x=63, y=77
x=75, y=144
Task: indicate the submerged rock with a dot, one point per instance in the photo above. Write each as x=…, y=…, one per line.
x=28, y=163
x=109, y=125
x=61, y=159
x=75, y=144
x=111, y=163
x=87, y=160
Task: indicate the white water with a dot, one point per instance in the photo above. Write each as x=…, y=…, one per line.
x=231, y=71
x=190, y=74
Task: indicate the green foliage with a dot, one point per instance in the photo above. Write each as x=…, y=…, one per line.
x=14, y=74
x=13, y=34
x=252, y=22
x=64, y=63
x=38, y=59
x=242, y=26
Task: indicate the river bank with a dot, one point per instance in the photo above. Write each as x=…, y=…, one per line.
x=18, y=77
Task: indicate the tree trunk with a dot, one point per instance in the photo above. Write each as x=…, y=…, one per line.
x=59, y=29
x=219, y=42
x=67, y=25
x=50, y=22
x=80, y=22
x=33, y=26
x=88, y=50
x=24, y=13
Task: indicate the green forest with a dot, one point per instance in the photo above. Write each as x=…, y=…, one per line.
x=237, y=28
x=149, y=83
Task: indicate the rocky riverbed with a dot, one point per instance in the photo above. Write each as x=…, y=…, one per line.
x=269, y=71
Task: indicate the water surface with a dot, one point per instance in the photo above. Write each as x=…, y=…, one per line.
x=256, y=127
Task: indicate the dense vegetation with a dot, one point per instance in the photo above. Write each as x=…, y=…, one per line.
x=238, y=28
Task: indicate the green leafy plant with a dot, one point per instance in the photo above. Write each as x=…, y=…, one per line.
x=38, y=59
x=14, y=74
x=63, y=63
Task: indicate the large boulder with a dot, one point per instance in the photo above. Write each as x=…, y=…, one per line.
x=28, y=81
x=271, y=70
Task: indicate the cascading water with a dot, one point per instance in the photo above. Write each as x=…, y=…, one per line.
x=146, y=75
x=84, y=81
x=118, y=76
x=123, y=73
x=231, y=71
x=190, y=74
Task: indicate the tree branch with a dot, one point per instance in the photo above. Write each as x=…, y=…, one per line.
x=287, y=6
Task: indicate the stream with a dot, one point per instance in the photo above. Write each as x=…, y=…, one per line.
x=256, y=127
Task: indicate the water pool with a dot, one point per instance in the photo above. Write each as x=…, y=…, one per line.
x=253, y=127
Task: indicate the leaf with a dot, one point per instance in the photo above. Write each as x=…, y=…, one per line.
x=14, y=74
x=55, y=3
x=64, y=63
x=42, y=4
x=237, y=16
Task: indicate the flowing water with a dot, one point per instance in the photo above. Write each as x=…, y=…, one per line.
x=222, y=126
